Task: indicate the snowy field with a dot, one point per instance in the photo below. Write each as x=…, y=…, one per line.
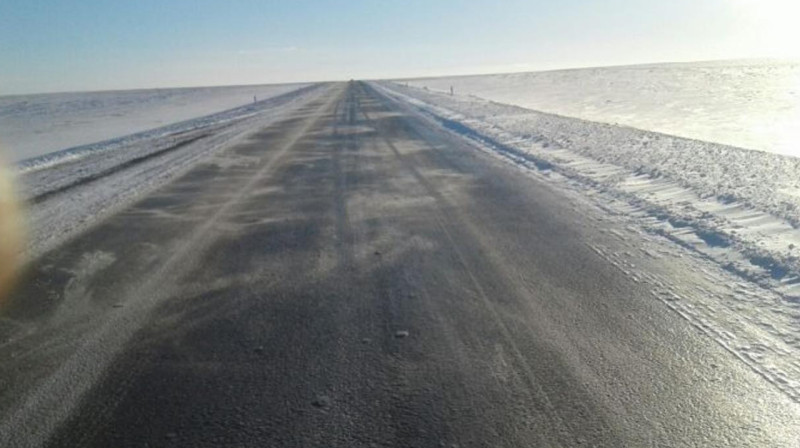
x=67, y=191
x=735, y=210
x=748, y=104
x=34, y=125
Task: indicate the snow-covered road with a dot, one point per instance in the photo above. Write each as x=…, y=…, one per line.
x=364, y=264
x=726, y=207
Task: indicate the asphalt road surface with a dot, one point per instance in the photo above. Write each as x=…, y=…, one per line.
x=354, y=277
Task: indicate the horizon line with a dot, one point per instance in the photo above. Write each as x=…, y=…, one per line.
x=408, y=78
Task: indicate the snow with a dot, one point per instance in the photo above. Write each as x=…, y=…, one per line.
x=34, y=125
x=69, y=190
x=748, y=104
x=732, y=213
x=741, y=199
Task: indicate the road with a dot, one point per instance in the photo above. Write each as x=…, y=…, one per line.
x=353, y=276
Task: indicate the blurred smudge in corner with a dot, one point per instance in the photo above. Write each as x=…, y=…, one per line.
x=11, y=231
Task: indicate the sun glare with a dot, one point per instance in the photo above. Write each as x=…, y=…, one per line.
x=773, y=25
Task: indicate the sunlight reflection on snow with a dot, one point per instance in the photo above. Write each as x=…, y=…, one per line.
x=788, y=129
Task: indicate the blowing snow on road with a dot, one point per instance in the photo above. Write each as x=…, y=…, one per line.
x=339, y=269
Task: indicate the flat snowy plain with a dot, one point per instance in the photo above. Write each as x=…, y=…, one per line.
x=736, y=209
x=34, y=125
x=747, y=104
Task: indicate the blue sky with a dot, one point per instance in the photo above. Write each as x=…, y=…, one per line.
x=48, y=45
